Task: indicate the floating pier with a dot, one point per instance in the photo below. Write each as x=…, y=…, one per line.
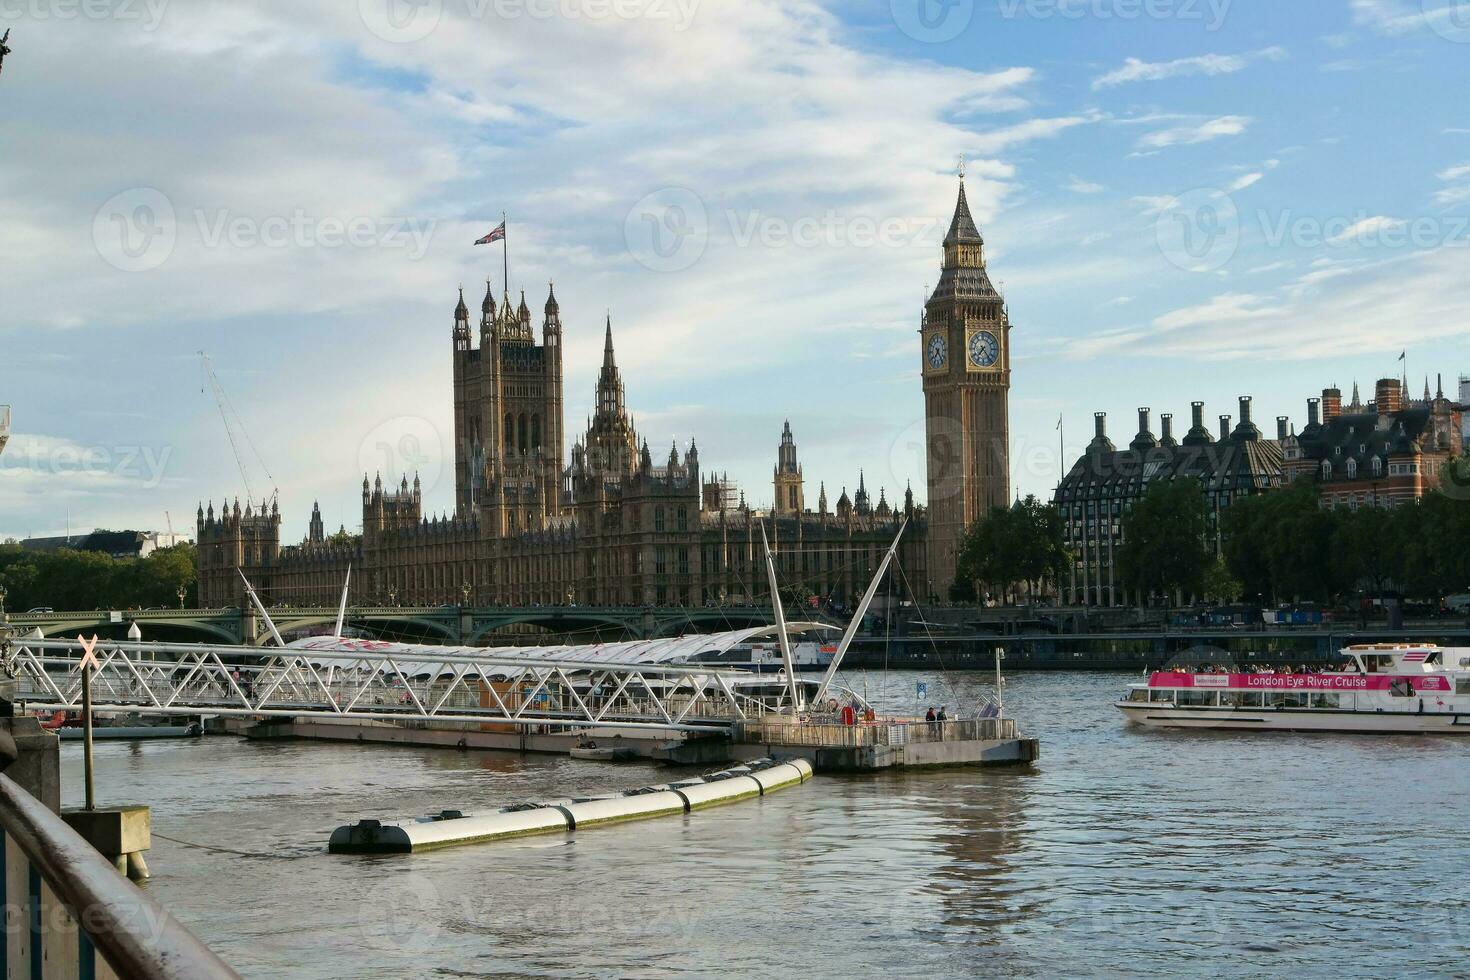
x=451, y=828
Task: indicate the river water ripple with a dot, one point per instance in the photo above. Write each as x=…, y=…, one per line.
x=1121, y=852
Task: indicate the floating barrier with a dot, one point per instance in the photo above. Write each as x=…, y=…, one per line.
x=451, y=828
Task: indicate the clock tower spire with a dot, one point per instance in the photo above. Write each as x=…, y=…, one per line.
x=966, y=365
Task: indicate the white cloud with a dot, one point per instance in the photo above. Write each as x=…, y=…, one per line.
x=1137, y=70
x=1203, y=132
x=1079, y=186
x=1366, y=228
x=1245, y=180
x=1415, y=299
x=1154, y=204
x=1455, y=173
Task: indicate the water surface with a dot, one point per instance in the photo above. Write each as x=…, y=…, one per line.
x=1121, y=852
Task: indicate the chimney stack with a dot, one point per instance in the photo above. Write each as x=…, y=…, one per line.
x=1224, y=427
x=1281, y=428
x=1245, y=409
x=1100, y=424
x=1197, y=411
x=1143, y=422
x=1389, y=396
x=1313, y=410
x=1166, y=429
x=1331, y=403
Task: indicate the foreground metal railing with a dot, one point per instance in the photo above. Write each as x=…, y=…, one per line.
x=784, y=731
x=68, y=913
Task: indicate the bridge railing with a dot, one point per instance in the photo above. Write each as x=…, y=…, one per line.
x=828, y=734
x=70, y=914
x=194, y=679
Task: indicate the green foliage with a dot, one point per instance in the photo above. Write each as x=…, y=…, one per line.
x=1285, y=546
x=1218, y=585
x=1163, y=550
x=67, y=579
x=1011, y=545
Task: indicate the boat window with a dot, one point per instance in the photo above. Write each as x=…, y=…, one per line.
x=1330, y=699
x=1196, y=698
x=1401, y=687
x=1242, y=699
x=1160, y=695
x=1286, y=699
x=1462, y=685
x=1138, y=694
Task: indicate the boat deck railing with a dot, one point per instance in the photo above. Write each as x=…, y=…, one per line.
x=883, y=731
x=69, y=913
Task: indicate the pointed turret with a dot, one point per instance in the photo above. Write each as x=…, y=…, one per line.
x=487, y=305
x=461, y=312
x=962, y=229
x=551, y=304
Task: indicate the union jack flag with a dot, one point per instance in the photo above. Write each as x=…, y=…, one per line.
x=496, y=235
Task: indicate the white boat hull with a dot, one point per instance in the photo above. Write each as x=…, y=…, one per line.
x=1292, y=720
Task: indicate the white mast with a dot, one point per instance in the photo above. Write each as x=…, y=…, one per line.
x=260, y=607
x=857, y=618
x=342, y=609
x=786, y=660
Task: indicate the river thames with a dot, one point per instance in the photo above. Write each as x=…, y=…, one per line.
x=1120, y=852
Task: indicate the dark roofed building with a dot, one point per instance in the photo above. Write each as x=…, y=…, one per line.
x=1105, y=482
x=1388, y=452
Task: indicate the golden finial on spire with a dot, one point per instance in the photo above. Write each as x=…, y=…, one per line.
x=960, y=168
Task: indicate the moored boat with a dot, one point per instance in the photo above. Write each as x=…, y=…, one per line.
x=1396, y=688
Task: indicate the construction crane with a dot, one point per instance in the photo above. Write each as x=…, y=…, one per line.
x=226, y=412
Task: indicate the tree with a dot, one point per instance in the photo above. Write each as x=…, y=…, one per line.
x=1218, y=584
x=1011, y=545
x=1163, y=549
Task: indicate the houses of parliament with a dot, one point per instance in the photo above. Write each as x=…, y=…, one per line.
x=610, y=525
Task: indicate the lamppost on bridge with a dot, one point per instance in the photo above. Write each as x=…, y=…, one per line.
x=392, y=597
x=183, y=593
x=466, y=590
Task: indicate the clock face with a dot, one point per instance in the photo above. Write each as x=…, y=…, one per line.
x=984, y=348
x=938, y=351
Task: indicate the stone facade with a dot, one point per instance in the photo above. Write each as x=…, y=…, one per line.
x=1387, y=452
x=966, y=365
x=1105, y=483
x=612, y=528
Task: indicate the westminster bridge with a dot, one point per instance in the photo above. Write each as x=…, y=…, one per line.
x=427, y=624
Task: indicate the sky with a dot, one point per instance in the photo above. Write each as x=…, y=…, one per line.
x=1181, y=199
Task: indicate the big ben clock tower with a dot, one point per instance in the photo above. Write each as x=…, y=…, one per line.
x=965, y=340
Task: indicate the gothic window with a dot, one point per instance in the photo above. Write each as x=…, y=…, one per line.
x=510, y=434
x=658, y=518
x=683, y=518
x=536, y=431
x=522, y=435
x=660, y=560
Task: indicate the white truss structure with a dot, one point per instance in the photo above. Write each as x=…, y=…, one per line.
x=474, y=688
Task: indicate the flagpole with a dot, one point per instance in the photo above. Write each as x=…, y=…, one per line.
x=505, y=256
x=1061, y=450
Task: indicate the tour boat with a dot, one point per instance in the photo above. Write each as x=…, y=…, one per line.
x=766, y=657
x=1397, y=688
